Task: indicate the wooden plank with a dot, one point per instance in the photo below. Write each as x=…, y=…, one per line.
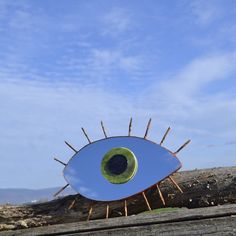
x=226, y=215
x=215, y=226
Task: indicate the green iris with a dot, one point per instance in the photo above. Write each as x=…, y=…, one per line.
x=119, y=165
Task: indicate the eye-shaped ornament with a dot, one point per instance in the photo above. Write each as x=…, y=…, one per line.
x=120, y=167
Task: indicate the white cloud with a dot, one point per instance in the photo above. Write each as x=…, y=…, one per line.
x=195, y=76
x=117, y=21
x=213, y=24
x=206, y=12
x=3, y=9
x=22, y=20
x=111, y=59
x=207, y=117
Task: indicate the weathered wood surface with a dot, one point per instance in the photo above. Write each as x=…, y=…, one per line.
x=217, y=220
x=202, y=188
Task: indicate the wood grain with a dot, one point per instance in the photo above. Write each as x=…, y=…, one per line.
x=218, y=220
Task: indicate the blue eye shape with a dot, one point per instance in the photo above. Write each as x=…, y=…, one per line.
x=116, y=168
x=83, y=171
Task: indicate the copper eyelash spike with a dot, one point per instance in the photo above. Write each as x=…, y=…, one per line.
x=130, y=126
x=90, y=213
x=185, y=144
x=126, y=210
x=160, y=194
x=177, y=186
x=164, y=137
x=61, y=190
x=147, y=129
x=71, y=147
x=72, y=204
x=103, y=129
x=145, y=198
x=59, y=161
x=86, y=135
x=107, y=212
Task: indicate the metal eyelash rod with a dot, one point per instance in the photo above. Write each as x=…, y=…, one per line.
x=103, y=129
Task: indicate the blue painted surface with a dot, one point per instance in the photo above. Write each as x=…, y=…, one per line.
x=83, y=171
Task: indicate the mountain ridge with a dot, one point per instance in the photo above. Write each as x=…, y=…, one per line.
x=24, y=195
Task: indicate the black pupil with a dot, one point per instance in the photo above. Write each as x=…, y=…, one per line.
x=117, y=164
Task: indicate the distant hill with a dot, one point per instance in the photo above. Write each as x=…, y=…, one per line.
x=20, y=196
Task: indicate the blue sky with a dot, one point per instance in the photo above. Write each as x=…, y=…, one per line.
x=68, y=64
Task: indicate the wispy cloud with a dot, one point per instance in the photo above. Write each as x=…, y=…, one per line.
x=215, y=19
x=206, y=12
x=197, y=74
x=117, y=21
x=221, y=145
x=110, y=59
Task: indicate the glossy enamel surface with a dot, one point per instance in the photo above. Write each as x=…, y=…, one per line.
x=130, y=165
x=83, y=171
